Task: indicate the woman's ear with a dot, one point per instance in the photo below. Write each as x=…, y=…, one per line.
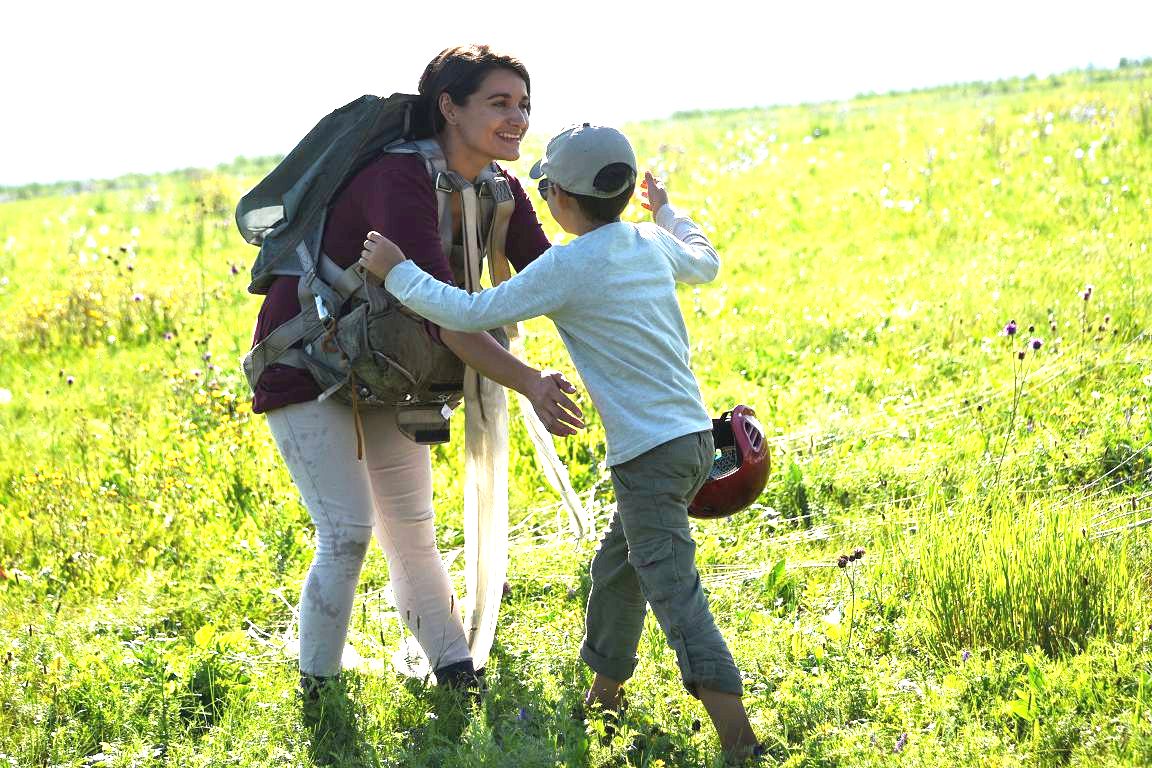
x=448, y=108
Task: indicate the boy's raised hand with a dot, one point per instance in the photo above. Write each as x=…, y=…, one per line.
x=380, y=254
x=652, y=194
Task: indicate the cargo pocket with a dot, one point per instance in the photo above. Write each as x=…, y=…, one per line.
x=655, y=564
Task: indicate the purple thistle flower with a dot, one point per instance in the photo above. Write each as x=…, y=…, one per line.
x=70, y=380
x=168, y=336
x=235, y=269
x=965, y=655
x=842, y=561
x=900, y=742
x=1036, y=343
x=137, y=297
x=1010, y=329
x=1087, y=292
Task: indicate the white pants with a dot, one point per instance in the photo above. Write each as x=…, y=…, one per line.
x=390, y=491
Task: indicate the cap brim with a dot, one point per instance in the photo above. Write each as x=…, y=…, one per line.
x=537, y=170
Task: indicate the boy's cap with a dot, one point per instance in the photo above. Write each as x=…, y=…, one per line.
x=577, y=154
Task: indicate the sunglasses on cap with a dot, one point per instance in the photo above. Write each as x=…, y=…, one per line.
x=543, y=186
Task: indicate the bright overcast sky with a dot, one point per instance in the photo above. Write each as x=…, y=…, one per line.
x=91, y=90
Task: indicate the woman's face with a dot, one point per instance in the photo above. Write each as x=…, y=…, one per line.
x=495, y=118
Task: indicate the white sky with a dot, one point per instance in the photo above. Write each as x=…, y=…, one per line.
x=91, y=90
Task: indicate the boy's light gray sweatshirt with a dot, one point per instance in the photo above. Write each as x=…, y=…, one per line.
x=612, y=295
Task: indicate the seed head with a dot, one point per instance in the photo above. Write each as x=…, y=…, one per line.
x=1020, y=355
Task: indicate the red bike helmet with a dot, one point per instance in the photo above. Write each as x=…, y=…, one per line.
x=740, y=470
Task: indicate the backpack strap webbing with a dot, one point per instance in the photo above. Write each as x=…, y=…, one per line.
x=279, y=346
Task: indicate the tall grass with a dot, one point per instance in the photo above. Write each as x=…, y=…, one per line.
x=1024, y=574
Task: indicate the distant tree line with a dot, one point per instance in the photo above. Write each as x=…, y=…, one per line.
x=240, y=166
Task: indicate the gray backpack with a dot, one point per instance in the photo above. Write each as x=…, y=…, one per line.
x=376, y=352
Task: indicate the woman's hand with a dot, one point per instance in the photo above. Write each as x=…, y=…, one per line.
x=557, y=412
x=380, y=254
x=652, y=194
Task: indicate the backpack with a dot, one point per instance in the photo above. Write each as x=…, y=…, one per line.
x=361, y=345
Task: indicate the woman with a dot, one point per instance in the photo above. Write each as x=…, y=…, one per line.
x=478, y=104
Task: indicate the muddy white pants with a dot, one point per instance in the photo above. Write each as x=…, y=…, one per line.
x=389, y=492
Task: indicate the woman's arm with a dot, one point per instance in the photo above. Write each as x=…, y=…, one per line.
x=545, y=390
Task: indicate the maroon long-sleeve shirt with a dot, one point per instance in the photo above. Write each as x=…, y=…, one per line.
x=394, y=196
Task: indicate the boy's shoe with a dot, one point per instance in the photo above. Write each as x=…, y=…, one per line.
x=610, y=718
x=757, y=756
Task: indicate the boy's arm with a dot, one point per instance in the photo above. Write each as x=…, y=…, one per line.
x=700, y=263
x=537, y=290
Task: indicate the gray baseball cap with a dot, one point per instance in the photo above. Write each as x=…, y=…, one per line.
x=574, y=157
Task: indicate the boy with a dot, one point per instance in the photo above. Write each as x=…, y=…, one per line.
x=612, y=295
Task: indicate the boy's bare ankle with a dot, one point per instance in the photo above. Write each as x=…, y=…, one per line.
x=604, y=694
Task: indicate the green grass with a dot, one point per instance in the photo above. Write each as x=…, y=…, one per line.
x=152, y=546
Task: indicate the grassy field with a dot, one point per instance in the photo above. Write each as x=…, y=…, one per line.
x=874, y=253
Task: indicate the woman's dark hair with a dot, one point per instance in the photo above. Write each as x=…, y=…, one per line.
x=458, y=72
x=608, y=209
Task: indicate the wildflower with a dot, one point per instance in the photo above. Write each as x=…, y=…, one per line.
x=858, y=553
x=1036, y=343
x=235, y=269
x=842, y=561
x=522, y=715
x=137, y=297
x=1087, y=292
x=1148, y=380
x=70, y=381
x=900, y=743
x=206, y=356
x=1020, y=355
x=1010, y=329
x=5, y=396
x=1031, y=329
x=965, y=655
x=168, y=336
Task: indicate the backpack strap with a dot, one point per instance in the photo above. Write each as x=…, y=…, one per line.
x=322, y=291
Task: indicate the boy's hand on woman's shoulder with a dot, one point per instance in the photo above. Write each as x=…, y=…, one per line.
x=380, y=255
x=652, y=194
